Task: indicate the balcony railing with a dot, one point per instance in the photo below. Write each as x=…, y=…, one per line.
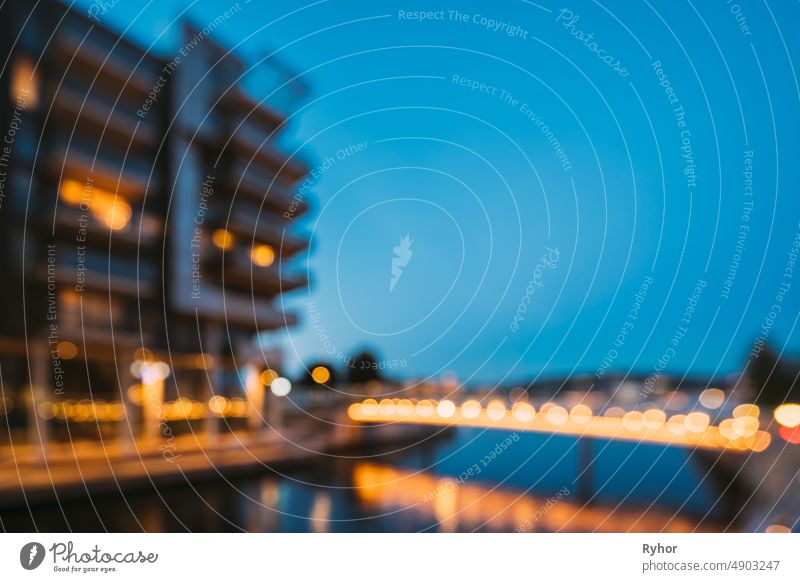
x=254, y=226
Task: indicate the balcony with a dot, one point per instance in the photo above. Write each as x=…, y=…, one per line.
x=238, y=271
x=263, y=186
x=92, y=319
x=108, y=170
x=232, y=308
x=264, y=227
x=95, y=116
x=141, y=232
x=115, y=65
x=258, y=148
x=238, y=104
x=115, y=276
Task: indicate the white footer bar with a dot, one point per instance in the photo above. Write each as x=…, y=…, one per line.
x=400, y=557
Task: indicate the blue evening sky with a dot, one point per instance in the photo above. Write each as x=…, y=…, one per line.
x=476, y=181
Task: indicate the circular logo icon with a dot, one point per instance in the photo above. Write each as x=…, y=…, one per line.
x=31, y=555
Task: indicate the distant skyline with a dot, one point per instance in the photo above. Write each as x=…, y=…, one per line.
x=602, y=187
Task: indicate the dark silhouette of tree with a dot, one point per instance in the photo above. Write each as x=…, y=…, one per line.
x=774, y=378
x=363, y=367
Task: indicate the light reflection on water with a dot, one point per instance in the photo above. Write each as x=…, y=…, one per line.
x=452, y=506
x=495, y=481
x=529, y=485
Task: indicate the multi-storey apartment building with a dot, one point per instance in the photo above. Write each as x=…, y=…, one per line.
x=146, y=216
x=228, y=235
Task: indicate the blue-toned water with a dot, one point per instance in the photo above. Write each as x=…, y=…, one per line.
x=620, y=471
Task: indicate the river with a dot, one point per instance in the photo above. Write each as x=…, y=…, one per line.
x=466, y=480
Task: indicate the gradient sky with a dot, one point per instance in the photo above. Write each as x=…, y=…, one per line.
x=475, y=184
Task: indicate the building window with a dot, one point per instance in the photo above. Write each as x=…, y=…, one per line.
x=25, y=83
x=110, y=209
x=262, y=255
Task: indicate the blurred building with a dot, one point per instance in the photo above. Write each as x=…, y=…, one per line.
x=146, y=214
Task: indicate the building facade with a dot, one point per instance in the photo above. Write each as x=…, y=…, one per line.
x=146, y=231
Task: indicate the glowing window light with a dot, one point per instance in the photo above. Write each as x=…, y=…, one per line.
x=523, y=411
x=696, y=422
x=425, y=408
x=370, y=407
x=386, y=407
x=73, y=192
x=746, y=410
x=281, y=386
x=788, y=415
x=712, y=398
x=268, y=376
x=25, y=83
x=471, y=409
x=204, y=361
x=222, y=239
x=633, y=420
x=445, y=409
x=107, y=207
x=117, y=216
x=654, y=418
x=557, y=415
x=496, y=410
x=405, y=408
x=262, y=255
x=320, y=374
x=83, y=411
x=580, y=414
x=67, y=350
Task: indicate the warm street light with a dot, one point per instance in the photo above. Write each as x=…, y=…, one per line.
x=320, y=374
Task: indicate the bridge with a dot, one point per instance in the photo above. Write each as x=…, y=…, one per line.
x=741, y=432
